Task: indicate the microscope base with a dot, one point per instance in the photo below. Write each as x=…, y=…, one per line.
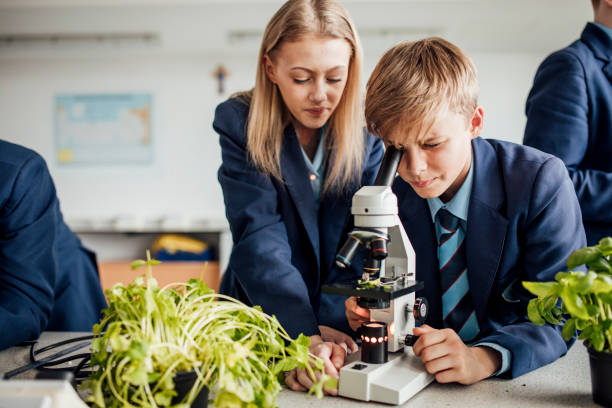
x=393, y=382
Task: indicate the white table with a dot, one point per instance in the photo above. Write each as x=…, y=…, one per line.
x=565, y=383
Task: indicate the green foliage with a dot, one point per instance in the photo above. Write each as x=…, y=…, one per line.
x=585, y=298
x=152, y=333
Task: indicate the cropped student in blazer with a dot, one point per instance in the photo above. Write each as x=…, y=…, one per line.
x=48, y=280
x=294, y=151
x=569, y=114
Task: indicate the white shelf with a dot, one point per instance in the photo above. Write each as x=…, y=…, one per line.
x=129, y=224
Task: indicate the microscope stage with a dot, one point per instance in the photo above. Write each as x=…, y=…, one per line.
x=390, y=292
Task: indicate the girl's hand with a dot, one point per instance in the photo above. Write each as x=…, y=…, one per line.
x=336, y=336
x=333, y=359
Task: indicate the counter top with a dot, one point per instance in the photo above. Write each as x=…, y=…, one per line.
x=565, y=383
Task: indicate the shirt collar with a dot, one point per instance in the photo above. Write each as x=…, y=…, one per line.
x=459, y=204
x=316, y=164
x=605, y=29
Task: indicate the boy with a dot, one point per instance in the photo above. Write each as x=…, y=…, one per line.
x=482, y=215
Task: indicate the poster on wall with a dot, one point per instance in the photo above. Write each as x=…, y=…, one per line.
x=103, y=129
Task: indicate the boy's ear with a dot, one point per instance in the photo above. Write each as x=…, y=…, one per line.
x=269, y=68
x=477, y=121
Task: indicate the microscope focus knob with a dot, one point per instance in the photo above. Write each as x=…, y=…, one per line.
x=420, y=309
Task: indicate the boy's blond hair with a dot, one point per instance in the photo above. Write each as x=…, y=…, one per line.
x=415, y=81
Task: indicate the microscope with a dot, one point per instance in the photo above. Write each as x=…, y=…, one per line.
x=388, y=370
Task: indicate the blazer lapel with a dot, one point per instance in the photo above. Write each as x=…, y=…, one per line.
x=295, y=175
x=419, y=226
x=486, y=226
x=600, y=44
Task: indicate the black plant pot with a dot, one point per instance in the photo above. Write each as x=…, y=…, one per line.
x=183, y=381
x=601, y=373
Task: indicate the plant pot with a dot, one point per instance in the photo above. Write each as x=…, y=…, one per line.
x=601, y=372
x=183, y=381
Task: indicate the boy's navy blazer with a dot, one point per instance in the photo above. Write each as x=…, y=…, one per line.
x=48, y=280
x=523, y=222
x=282, y=253
x=569, y=114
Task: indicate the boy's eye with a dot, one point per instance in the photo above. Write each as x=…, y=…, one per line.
x=300, y=80
x=432, y=145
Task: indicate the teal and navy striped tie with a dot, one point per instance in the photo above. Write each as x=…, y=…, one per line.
x=457, y=308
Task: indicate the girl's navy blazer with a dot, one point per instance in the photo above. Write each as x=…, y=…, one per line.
x=283, y=253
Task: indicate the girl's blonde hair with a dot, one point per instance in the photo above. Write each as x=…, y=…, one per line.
x=268, y=115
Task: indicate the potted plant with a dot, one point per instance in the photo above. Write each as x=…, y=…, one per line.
x=582, y=301
x=168, y=346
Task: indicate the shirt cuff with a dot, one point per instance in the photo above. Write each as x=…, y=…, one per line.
x=506, y=356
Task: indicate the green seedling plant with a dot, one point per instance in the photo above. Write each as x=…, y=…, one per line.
x=151, y=333
x=577, y=300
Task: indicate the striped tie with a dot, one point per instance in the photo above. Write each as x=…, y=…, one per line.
x=457, y=307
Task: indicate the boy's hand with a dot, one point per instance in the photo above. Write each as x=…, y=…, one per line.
x=446, y=356
x=355, y=314
x=333, y=359
x=342, y=339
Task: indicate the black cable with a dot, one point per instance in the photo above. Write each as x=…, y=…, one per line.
x=42, y=362
x=56, y=358
x=58, y=344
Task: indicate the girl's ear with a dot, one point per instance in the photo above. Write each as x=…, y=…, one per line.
x=477, y=121
x=269, y=68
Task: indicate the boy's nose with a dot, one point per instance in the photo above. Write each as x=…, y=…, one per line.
x=415, y=161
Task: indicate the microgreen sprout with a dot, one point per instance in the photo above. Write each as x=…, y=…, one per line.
x=239, y=352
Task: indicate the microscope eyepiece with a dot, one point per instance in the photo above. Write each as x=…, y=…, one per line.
x=388, y=166
x=344, y=257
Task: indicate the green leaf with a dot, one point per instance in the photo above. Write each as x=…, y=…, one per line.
x=569, y=329
x=600, y=265
x=574, y=304
x=164, y=398
x=582, y=282
x=533, y=312
x=605, y=246
x=602, y=284
x=138, y=263
x=582, y=256
x=227, y=400
x=542, y=289
x=138, y=349
x=136, y=375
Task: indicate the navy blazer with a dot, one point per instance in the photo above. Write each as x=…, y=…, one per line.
x=523, y=222
x=569, y=114
x=282, y=253
x=48, y=281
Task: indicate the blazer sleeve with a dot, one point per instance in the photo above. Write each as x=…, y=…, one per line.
x=261, y=256
x=375, y=151
x=552, y=231
x=28, y=264
x=557, y=123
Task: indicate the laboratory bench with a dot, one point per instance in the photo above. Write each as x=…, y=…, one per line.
x=564, y=383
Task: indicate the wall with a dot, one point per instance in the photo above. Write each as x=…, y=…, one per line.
x=182, y=180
